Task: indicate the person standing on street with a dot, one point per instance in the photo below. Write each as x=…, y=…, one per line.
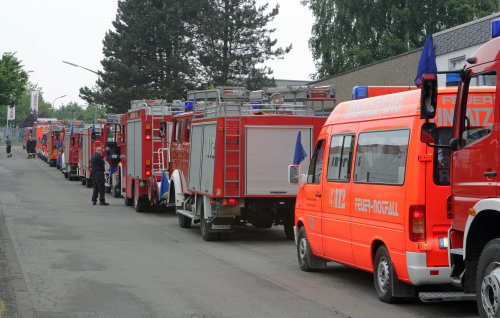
x=8, y=142
x=97, y=163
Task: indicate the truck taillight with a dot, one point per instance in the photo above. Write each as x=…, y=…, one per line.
x=148, y=167
x=417, y=223
x=148, y=132
x=230, y=201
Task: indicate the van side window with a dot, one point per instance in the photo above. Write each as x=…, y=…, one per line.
x=381, y=157
x=316, y=165
x=340, y=158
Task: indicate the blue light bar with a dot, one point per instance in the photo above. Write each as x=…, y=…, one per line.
x=359, y=92
x=255, y=105
x=495, y=28
x=452, y=79
x=188, y=106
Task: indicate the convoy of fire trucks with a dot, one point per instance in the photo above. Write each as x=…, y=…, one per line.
x=400, y=181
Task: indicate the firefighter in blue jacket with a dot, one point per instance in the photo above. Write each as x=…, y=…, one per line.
x=97, y=163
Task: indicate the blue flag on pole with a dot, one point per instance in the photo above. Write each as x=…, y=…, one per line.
x=71, y=133
x=163, y=185
x=299, y=154
x=93, y=128
x=427, y=62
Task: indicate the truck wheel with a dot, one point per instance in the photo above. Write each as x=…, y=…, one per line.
x=89, y=183
x=116, y=192
x=141, y=204
x=204, y=227
x=488, y=280
x=107, y=189
x=383, y=275
x=128, y=201
x=184, y=221
x=308, y=262
x=83, y=181
x=288, y=223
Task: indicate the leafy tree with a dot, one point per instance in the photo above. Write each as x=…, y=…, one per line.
x=232, y=41
x=349, y=34
x=13, y=79
x=149, y=55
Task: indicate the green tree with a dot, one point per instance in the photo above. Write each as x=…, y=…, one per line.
x=350, y=34
x=233, y=41
x=148, y=55
x=13, y=79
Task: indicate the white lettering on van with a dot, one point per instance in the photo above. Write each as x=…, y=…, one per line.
x=382, y=207
x=382, y=106
x=337, y=198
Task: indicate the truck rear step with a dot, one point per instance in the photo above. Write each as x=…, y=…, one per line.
x=431, y=297
x=189, y=214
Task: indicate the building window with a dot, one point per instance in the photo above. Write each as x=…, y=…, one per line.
x=457, y=63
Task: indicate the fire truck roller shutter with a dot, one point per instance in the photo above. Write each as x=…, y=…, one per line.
x=194, y=173
x=269, y=151
x=134, y=149
x=202, y=158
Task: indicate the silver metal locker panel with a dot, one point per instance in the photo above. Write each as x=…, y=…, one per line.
x=130, y=149
x=195, y=151
x=138, y=149
x=208, y=162
x=269, y=152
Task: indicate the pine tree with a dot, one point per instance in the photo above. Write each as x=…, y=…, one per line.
x=233, y=43
x=149, y=54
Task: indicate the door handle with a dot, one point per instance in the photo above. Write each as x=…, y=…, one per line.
x=318, y=195
x=490, y=174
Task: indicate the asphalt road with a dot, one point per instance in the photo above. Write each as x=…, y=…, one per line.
x=62, y=257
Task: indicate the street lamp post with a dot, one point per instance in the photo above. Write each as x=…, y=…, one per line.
x=53, y=103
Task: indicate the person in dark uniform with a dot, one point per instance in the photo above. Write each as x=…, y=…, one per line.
x=97, y=163
x=8, y=142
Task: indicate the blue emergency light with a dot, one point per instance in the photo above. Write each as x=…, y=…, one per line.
x=255, y=105
x=359, y=92
x=452, y=79
x=495, y=28
x=188, y=106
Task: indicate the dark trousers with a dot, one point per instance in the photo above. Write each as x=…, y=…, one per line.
x=98, y=186
x=8, y=149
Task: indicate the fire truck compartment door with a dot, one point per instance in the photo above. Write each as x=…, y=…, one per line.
x=202, y=158
x=134, y=149
x=269, y=151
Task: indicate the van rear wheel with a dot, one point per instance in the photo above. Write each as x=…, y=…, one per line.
x=383, y=275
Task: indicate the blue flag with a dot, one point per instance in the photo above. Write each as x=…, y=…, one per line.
x=427, y=62
x=164, y=186
x=93, y=128
x=71, y=133
x=299, y=154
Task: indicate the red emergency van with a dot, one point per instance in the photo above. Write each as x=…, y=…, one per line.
x=375, y=196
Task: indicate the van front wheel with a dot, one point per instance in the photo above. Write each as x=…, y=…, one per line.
x=308, y=262
x=383, y=275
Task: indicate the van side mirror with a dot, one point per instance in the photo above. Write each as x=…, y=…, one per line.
x=428, y=133
x=428, y=96
x=293, y=174
x=163, y=130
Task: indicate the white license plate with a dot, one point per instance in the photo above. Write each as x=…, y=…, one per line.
x=220, y=227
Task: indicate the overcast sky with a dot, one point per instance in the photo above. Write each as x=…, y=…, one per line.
x=45, y=33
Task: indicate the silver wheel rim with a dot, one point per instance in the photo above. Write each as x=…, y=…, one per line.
x=302, y=248
x=383, y=275
x=490, y=290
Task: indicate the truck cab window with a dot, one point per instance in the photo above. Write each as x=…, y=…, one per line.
x=180, y=131
x=316, y=165
x=474, y=125
x=340, y=158
x=188, y=129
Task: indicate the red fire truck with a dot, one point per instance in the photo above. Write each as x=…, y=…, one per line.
x=474, y=204
x=229, y=157
x=145, y=130
x=54, y=140
x=89, y=140
x=41, y=127
x=70, y=149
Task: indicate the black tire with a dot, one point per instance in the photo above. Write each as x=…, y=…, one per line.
x=88, y=183
x=128, y=201
x=83, y=180
x=116, y=192
x=488, y=280
x=141, y=204
x=204, y=226
x=288, y=223
x=308, y=262
x=383, y=275
x=107, y=189
x=66, y=175
x=184, y=221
